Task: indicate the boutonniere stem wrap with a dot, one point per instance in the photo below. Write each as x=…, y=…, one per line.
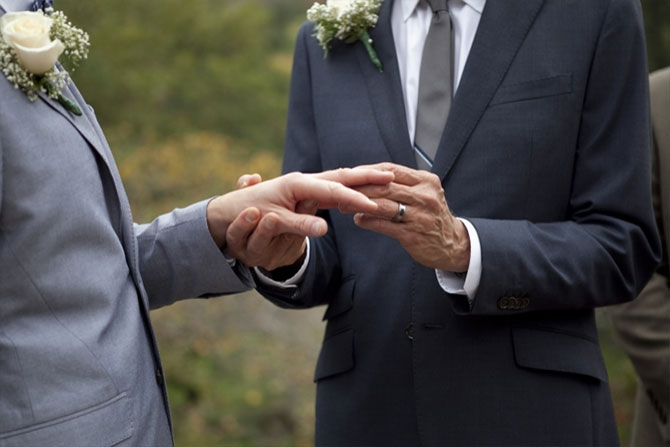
x=30, y=45
x=347, y=20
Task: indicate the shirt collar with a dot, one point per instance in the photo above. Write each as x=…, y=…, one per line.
x=408, y=6
x=15, y=5
x=477, y=5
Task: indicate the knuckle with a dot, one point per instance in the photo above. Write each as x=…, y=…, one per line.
x=303, y=226
x=292, y=176
x=334, y=187
x=432, y=202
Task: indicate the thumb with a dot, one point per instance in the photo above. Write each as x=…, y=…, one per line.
x=301, y=224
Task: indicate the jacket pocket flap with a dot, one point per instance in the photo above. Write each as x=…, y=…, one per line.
x=103, y=425
x=538, y=88
x=343, y=301
x=557, y=351
x=337, y=355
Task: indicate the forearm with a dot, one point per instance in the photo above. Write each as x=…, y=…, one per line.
x=179, y=258
x=598, y=244
x=560, y=266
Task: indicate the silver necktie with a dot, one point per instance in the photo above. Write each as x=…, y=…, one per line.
x=435, y=85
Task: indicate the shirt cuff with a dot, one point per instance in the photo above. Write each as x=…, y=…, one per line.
x=242, y=271
x=290, y=283
x=232, y=262
x=465, y=283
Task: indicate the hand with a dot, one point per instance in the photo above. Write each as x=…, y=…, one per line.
x=428, y=231
x=282, y=195
x=252, y=240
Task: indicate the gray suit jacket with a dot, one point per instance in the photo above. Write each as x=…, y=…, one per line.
x=643, y=325
x=79, y=364
x=546, y=152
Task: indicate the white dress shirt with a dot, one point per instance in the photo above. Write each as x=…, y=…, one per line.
x=410, y=21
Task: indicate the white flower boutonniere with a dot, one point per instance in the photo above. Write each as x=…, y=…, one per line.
x=347, y=20
x=30, y=45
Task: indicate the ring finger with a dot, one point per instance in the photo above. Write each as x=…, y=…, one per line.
x=390, y=209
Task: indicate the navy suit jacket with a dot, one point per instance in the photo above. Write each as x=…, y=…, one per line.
x=546, y=151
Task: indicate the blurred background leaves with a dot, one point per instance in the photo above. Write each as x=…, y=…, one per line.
x=191, y=95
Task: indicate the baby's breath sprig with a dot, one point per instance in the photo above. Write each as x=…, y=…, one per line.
x=350, y=23
x=76, y=41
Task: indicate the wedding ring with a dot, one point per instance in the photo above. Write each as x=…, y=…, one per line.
x=400, y=215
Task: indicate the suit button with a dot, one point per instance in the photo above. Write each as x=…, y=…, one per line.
x=409, y=331
x=159, y=377
x=504, y=303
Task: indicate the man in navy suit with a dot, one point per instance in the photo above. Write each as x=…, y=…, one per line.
x=477, y=329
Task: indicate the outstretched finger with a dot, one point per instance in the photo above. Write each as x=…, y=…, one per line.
x=330, y=194
x=357, y=176
x=401, y=174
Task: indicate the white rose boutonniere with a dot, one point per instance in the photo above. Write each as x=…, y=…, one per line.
x=30, y=45
x=347, y=20
x=28, y=34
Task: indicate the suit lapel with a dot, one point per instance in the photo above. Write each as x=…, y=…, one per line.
x=81, y=123
x=89, y=125
x=385, y=90
x=502, y=29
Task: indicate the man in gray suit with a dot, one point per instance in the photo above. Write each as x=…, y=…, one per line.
x=643, y=325
x=79, y=365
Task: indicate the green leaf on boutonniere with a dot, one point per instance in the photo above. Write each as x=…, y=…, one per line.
x=69, y=104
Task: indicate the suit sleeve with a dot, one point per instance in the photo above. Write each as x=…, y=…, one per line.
x=179, y=259
x=608, y=246
x=301, y=154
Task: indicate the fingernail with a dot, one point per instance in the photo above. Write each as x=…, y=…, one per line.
x=317, y=228
x=251, y=217
x=270, y=224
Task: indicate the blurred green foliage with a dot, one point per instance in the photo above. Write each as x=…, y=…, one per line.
x=191, y=95
x=163, y=68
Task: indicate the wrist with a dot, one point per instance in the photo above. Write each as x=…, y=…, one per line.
x=286, y=272
x=460, y=258
x=217, y=220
